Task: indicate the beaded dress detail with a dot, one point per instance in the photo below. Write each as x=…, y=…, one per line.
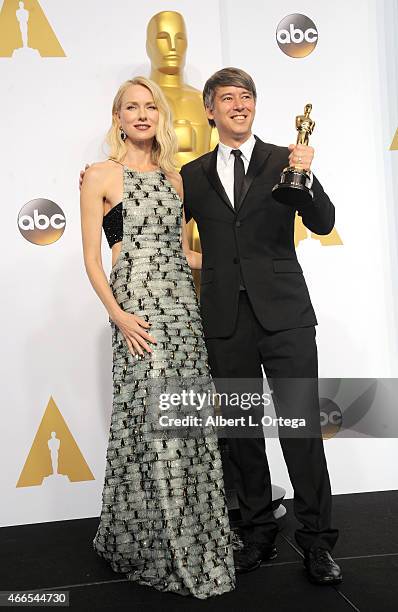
x=164, y=520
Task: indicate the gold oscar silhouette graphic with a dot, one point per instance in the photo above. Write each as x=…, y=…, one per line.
x=300, y=233
x=25, y=31
x=166, y=47
x=394, y=144
x=54, y=456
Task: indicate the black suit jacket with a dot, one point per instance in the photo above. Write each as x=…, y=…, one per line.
x=257, y=242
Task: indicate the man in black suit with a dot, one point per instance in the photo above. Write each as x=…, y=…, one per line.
x=256, y=311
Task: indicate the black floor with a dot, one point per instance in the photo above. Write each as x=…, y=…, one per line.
x=59, y=556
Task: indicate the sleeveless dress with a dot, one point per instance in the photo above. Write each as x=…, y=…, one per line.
x=164, y=520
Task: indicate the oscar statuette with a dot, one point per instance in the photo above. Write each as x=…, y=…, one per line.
x=293, y=188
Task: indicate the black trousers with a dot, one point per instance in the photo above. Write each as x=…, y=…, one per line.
x=290, y=363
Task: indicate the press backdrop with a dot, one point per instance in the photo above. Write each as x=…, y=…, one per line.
x=56, y=96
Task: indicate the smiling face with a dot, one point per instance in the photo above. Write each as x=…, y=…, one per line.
x=167, y=42
x=138, y=114
x=233, y=112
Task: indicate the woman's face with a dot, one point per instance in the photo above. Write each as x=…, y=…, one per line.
x=138, y=114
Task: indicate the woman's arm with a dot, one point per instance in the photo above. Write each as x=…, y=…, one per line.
x=91, y=206
x=91, y=212
x=194, y=258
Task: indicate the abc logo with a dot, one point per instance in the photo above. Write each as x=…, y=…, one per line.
x=296, y=35
x=331, y=418
x=41, y=221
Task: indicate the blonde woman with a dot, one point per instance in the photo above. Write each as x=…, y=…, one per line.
x=164, y=520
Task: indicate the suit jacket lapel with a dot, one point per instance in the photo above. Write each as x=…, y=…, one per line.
x=210, y=167
x=258, y=158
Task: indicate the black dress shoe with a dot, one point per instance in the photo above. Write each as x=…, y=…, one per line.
x=250, y=556
x=321, y=569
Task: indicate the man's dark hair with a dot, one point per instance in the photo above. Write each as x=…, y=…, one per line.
x=222, y=78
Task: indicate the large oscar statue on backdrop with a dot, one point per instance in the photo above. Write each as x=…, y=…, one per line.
x=166, y=46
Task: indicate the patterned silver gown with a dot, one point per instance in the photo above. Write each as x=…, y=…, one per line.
x=164, y=520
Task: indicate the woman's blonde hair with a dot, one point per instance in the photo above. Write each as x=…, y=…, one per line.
x=164, y=146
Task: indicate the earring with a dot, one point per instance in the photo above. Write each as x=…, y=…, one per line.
x=123, y=134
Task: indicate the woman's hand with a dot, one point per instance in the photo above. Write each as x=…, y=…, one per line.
x=133, y=329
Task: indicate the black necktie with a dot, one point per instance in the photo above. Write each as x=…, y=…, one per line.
x=239, y=175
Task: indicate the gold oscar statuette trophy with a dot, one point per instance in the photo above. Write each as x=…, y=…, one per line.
x=293, y=188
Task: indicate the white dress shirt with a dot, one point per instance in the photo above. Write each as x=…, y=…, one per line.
x=226, y=161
